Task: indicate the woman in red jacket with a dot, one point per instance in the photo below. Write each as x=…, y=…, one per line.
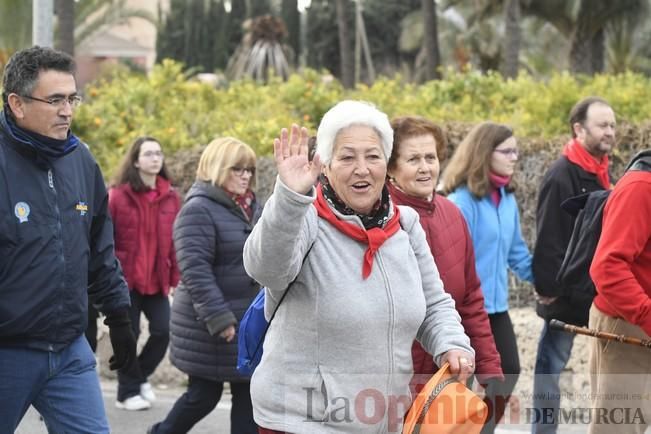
x=143, y=206
x=413, y=170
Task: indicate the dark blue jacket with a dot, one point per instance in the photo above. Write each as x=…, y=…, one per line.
x=215, y=291
x=56, y=246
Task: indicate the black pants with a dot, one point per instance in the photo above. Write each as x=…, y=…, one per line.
x=498, y=393
x=200, y=399
x=157, y=311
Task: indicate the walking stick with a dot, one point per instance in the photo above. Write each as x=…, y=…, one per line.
x=560, y=325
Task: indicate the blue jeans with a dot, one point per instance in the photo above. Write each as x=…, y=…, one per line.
x=63, y=387
x=554, y=349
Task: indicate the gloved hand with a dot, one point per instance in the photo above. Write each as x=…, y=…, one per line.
x=123, y=340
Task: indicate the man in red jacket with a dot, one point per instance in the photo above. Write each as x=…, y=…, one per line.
x=620, y=377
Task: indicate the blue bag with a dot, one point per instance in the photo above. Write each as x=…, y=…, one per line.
x=253, y=329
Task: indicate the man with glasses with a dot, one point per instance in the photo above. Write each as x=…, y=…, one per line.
x=56, y=251
x=582, y=168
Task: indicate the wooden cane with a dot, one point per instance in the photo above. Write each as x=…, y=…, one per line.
x=560, y=325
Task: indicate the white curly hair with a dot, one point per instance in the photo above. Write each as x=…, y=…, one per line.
x=345, y=114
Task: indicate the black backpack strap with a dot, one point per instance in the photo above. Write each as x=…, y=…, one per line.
x=641, y=161
x=573, y=205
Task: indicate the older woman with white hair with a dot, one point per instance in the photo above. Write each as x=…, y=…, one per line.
x=361, y=282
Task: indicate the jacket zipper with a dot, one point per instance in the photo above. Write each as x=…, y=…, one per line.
x=59, y=237
x=387, y=286
x=499, y=251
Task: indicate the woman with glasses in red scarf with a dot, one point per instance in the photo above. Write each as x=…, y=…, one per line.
x=478, y=179
x=218, y=215
x=362, y=285
x=143, y=207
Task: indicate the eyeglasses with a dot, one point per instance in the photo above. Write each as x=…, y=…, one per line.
x=149, y=154
x=239, y=171
x=508, y=151
x=59, y=101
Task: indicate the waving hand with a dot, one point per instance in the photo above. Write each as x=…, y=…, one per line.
x=294, y=168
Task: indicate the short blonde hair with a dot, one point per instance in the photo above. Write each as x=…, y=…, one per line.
x=220, y=156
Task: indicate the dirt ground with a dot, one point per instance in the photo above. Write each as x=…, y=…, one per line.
x=574, y=380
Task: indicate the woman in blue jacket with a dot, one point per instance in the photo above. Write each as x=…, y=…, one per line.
x=478, y=180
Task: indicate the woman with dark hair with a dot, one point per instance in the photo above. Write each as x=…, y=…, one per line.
x=143, y=207
x=419, y=146
x=479, y=181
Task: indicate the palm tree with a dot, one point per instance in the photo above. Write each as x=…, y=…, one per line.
x=92, y=16
x=431, y=40
x=585, y=24
x=345, y=49
x=65, y=37
x=628, y=42
x=261, y=49
x=513, y=36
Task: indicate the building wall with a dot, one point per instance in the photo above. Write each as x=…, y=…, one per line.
x=141, y=31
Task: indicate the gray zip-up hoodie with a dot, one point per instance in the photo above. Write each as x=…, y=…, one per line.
x=337, y=357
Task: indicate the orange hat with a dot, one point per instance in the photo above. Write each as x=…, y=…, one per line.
x=445, y=406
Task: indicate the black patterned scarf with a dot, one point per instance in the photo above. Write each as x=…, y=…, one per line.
x=377, y=218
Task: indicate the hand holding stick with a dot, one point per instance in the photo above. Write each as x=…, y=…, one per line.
x=560, y=325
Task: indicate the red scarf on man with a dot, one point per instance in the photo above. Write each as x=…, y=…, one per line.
x=374, y=237
x=577, y=154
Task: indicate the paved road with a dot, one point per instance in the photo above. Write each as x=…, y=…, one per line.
x=127, y=422
x=123, y=422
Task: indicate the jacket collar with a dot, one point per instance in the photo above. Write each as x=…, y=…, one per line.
x=163, y=186
x=218, y=195
x=418, y=204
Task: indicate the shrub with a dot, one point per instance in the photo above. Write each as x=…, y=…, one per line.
x=184, y=113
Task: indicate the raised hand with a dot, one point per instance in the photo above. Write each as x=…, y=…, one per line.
x=294, y=168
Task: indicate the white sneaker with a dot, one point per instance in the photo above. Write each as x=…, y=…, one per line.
x=147, y=392
x=133, y=403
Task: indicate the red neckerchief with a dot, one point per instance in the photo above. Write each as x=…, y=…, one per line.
x=497, y=182
x=374, y=237
x=582, y=158
x=245, y=201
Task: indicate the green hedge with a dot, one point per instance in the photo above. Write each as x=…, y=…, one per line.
x=183, y=113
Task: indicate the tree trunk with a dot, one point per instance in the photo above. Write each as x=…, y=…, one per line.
x=511, y=53
x=597, y=51
x=581, y=42
x=291, y=18
x=345, y=49
x=65, y=37
x=431, y=40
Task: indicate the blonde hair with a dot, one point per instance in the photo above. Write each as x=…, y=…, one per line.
x=470, y=164
x=220, y=156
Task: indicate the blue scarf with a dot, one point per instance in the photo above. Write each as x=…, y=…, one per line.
x=46, y=148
